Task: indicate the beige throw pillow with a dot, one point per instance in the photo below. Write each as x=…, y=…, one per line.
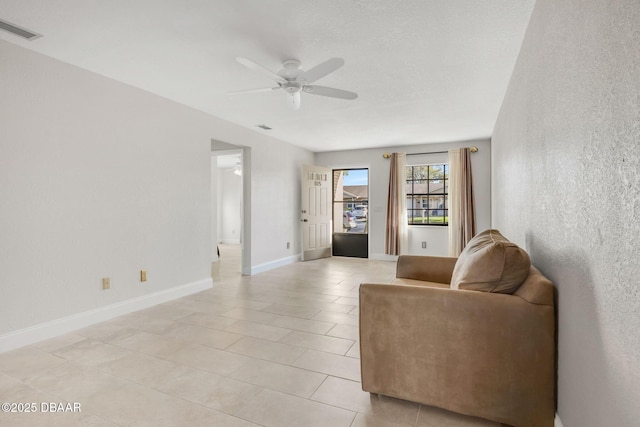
x=491, y=263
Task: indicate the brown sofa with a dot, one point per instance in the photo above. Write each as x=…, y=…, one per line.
x=485, y=354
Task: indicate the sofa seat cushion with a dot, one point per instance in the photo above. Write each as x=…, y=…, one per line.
x=491, y=263
x=413, y=282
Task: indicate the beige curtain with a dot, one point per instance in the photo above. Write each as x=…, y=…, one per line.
x=396, y=238
x=462, y=212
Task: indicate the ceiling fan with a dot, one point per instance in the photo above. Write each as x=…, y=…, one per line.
x=294, y=80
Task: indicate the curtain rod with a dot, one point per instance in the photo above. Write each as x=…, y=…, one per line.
x=473, y=149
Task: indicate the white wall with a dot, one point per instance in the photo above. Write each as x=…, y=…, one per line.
x=566, y=183
x=230, y=206
x=436, y=236
x=275, y=220
x=215, y=207
x=101, y=179
x=218, y=202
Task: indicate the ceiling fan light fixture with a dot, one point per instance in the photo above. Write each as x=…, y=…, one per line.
x=293, y=100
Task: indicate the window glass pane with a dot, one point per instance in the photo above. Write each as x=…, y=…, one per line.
x=421, y=186
x=436, y=172
x=437, y=216
x=413, y=203
x=436, y=186
x=417, y=216
x=409, y=172
x=410, y=216
x=421, y=172
x=436, y=202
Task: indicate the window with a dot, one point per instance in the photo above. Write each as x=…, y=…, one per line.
x=427, y=194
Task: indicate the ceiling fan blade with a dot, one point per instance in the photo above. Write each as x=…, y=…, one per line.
x=321, y=70
x=257, y=67
x=264, y=89
x=293, y=100
x=330, y=91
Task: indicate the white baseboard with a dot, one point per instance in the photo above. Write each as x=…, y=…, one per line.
x=56, y=327
x=383, y=257
x=557, y=422
x=261, y=268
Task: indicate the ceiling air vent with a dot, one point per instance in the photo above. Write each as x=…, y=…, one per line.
x=265, y=127
x=18, y=31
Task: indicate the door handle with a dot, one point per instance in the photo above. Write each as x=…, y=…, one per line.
x=304, y=220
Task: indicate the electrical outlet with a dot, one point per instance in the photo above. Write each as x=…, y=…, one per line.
x=143, y=275
x=424, y=245
x=106, y=283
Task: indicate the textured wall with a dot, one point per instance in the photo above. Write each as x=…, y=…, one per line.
x=566, y=185
x=231, y=209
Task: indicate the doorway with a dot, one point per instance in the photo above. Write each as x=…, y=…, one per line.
x=231, y=203
x=351, y=213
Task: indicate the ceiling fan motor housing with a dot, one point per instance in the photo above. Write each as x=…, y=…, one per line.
x=291, y=69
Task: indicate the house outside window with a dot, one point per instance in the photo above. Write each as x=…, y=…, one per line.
x=427, y=194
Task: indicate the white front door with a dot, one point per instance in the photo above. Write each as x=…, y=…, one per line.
x=316, y=212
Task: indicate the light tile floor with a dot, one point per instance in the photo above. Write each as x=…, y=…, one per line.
x=278, y=349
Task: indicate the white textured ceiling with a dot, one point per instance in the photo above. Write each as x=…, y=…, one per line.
x=425, y=70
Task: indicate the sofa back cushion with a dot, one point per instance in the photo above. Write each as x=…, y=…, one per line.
x=491, y=263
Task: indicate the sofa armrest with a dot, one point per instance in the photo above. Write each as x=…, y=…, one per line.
x=483, y=354
x=426, y=268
